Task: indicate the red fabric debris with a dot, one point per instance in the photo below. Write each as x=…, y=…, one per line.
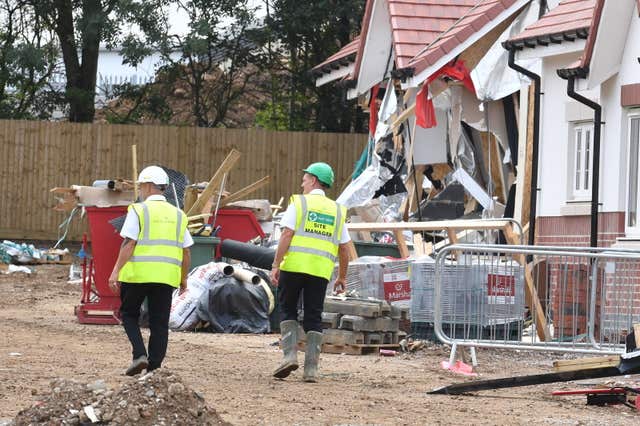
x=425, y=112
x=373, y=110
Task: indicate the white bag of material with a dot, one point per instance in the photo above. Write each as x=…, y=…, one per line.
x=183, y=315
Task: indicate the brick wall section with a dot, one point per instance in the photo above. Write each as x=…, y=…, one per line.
x=568, y=299
x=575, y=230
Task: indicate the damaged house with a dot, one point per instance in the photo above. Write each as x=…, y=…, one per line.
x=444, y=106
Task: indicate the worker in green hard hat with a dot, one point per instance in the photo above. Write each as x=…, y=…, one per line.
x=313, y=238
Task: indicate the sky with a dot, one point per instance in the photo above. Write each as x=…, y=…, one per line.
x=180, y=20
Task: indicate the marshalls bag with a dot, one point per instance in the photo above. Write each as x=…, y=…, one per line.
x=183, y=315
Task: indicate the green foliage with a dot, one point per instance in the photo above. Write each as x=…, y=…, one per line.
x=307, y=32
x=27, y=62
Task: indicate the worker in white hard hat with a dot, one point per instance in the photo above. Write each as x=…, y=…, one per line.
x=154, y=260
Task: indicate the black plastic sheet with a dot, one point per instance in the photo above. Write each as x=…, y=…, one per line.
x=233, y=306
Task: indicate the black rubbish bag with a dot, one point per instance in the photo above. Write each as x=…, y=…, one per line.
x=233, y=306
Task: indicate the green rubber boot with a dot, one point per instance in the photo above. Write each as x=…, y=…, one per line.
x=289, y=342
x=312, y=356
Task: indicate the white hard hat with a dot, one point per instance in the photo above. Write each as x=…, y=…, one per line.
x=153, y=174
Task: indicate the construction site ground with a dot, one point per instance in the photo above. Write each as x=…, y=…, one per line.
x=42, y=340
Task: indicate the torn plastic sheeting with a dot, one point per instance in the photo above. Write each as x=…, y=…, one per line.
x=363, y=188
x=13, y=268
x=388, y=106
x=492, y=77
x=474, y=115
x=11, y=252
x=390, y=206
x=473, y=188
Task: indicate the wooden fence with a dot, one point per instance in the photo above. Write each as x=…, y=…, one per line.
x=37, y=156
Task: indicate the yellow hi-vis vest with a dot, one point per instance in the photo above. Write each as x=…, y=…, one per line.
x=157, y=257
x=314, y=246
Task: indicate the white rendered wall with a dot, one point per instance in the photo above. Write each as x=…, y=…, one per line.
x=555, y=133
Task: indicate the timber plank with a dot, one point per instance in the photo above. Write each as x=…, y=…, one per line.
x=586, y=363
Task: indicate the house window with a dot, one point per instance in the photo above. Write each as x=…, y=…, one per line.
x=634, y=153
x=582, y=161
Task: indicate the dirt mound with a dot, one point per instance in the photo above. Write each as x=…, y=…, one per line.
x=158, y=398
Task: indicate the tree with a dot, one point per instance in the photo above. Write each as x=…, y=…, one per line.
x=212, y=67
x=220, y=55
x=28, y=59
x=308, y=32
x=81, y=26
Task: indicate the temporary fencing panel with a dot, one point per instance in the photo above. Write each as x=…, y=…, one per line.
x=588, y=297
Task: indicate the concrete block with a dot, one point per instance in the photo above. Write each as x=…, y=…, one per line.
x=398, y=312
x=356, y=323
x=342, y=337
x=330, y=320
x=373, y=338
x=353, y=307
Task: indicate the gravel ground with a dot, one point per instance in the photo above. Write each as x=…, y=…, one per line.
x=43, y=347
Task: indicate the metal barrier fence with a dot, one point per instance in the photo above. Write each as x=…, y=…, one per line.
x=526, y=297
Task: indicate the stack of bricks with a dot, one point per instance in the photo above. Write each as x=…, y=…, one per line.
x=358, y=326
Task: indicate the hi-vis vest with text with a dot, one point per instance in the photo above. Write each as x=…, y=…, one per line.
x=157, y=257
x=314, y=246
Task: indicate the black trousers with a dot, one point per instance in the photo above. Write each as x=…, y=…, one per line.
x=313, y=289
x=159, y=298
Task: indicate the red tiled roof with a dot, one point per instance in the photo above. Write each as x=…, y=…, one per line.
x=475, y=19
x=417, y=23
x=580, y=67
x=571, y=19
x=344, y=56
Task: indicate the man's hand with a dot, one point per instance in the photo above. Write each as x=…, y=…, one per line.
x=183, y=287
x=114, y=285
x=340, y=286
x=275, y=276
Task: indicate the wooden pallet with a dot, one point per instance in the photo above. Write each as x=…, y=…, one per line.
x=352, y=349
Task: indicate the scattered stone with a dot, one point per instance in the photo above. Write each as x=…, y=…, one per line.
x=138, y=402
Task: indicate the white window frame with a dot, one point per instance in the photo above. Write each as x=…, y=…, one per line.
x=581, y=169
x=632, y=220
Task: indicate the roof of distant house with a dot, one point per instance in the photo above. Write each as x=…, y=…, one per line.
x=483, y=13
x=567, y=22
x=345, y=56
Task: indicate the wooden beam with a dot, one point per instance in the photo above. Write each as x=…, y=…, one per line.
x=245, y=191
x=402, y=244
x=212, y=186
x=531, y=293
x=190, y=197
x=418, y=245
x=490, y=151
x=586, y=363
x=436, y=225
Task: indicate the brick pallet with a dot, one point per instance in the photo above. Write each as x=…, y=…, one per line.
x=360, y=326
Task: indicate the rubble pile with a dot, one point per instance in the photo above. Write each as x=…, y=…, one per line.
x=158, y=398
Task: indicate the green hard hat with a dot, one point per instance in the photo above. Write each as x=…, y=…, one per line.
x=322, y=171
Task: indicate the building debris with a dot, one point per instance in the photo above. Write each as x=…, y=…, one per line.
x=160, y=397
